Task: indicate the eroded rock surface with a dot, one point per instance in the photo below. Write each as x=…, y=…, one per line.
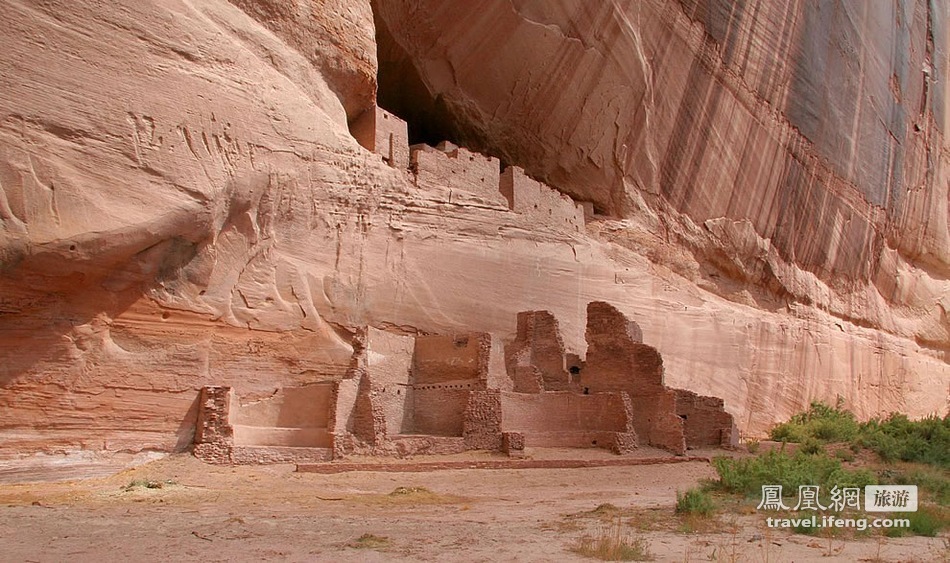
x=182, y=202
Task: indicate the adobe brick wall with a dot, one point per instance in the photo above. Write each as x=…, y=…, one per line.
x=537, y=344
x=439, y=410
x=389, y=368
x=281, y=436
x=459, y=171
x=562, y=411
x=512, y=443
x=497, y=371
x=656, y=423
x=261, y=455
x=525, y=377
x=383, y=133
x=344, y=405
x=617, y=360
x=368, y=422
x=534, y=199
x=704, y=420
x=453, y=358
x=291, y=407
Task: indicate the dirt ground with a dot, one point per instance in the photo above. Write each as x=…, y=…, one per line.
x=178, y=508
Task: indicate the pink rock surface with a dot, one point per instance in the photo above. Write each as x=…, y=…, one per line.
x=182, y=203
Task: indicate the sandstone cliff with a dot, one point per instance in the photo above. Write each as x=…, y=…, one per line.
x=182, y=202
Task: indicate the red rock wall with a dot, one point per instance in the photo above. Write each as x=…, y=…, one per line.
x=182, y=202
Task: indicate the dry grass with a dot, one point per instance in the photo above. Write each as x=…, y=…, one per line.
x=613, y=544
x=370, y=541
x=410, y=496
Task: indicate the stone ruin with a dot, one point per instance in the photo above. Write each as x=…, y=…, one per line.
x=465, y=177
x=440, y=394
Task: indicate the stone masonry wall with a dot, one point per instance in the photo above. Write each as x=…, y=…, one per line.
x=214, y=436
x=704, y=420
x=537, y=345
x=563, y=411
x=482, y=421
x=460, y=171
x=380, y=131
x=532, y=198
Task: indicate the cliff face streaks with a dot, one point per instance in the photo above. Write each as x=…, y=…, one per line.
x=182, y=202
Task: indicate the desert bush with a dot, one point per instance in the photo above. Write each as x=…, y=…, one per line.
x=695, y=502
x=746, y=476
x=895, y=438
x=898, y=438
x=821, y=423
x=927, y=521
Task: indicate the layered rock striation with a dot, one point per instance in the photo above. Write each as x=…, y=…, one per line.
x=184, y=201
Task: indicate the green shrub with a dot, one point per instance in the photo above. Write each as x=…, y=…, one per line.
x=926, y=521
x=695, y=501
x=811, y=446
x=820, y=422
x=746, y=476
x=897, y=438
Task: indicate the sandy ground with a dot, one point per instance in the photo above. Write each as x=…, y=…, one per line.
x=209, y=513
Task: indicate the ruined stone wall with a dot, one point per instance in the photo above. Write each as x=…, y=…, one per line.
x=562, y=411
x=388, y=367
x=535, y=359
x=344, y=401
x=566, y=419
x=460, y=171
x=482, y=424
x=705, y=423
x=214, y=436
x=439, y=410
x=617, y=360
x=654, y=417
x=538, y=201
x=445, y=370
x=444, y=359
x=385, y=134
x=296, y=407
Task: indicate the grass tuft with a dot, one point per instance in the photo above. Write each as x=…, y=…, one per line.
x=370, y=541
x=613, y=544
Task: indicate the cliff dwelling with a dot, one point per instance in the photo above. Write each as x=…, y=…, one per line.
x=443, y=394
